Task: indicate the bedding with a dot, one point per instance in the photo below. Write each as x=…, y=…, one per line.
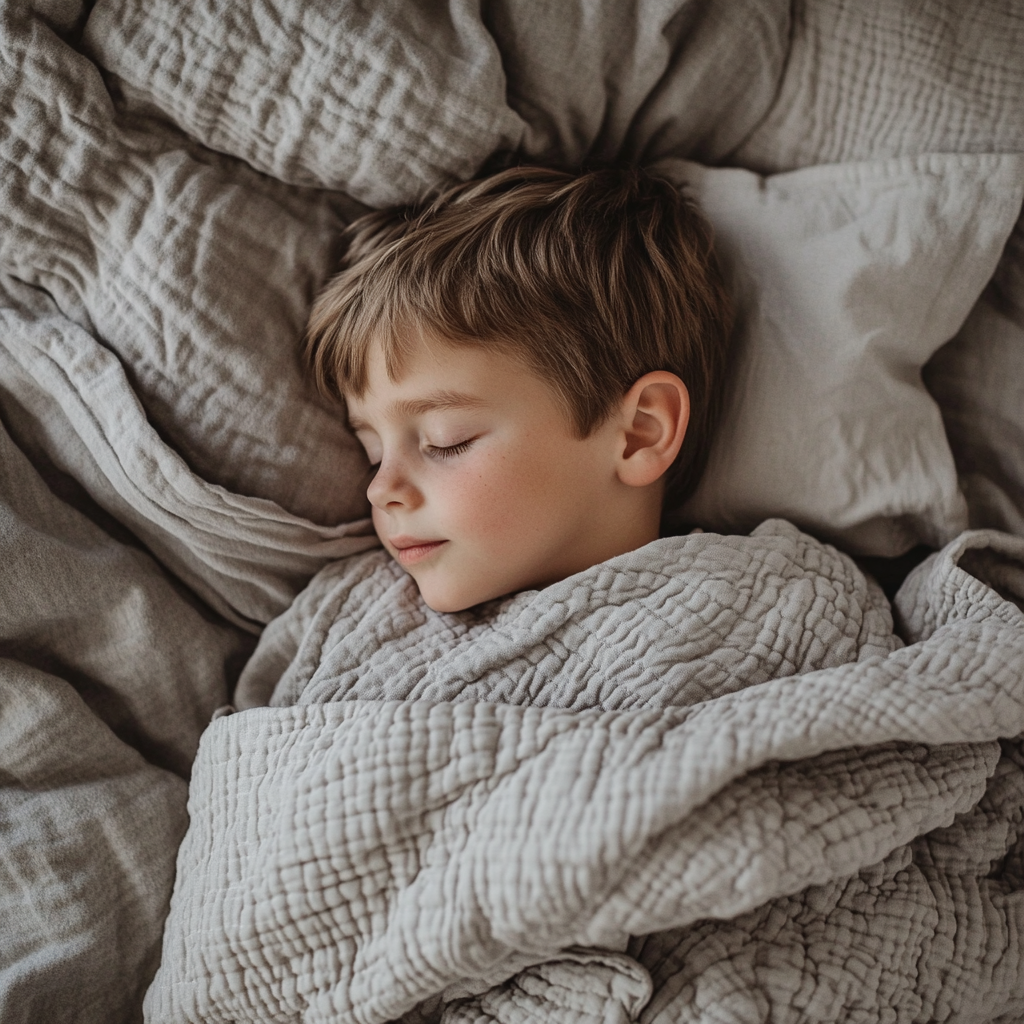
x=978, y=382
x=847, y=279
x=109, y=673
x=437, y=806
x=884, y=79
x=174, y=178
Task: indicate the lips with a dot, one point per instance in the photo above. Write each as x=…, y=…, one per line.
x=409, y=550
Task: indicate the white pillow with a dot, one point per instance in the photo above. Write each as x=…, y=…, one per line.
x=846, y=279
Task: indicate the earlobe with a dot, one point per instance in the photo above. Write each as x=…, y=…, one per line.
x=655, y=413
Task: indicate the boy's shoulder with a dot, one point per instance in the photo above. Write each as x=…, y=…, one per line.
x=774, y=558
x=679, y=612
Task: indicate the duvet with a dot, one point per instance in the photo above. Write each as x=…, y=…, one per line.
x=705, y=776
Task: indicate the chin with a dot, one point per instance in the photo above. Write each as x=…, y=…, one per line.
x=452, y=599
x=446, y=604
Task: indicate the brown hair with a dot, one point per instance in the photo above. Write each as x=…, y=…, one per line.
x=594, y=279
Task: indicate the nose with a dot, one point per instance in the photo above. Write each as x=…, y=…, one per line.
x=391, y=488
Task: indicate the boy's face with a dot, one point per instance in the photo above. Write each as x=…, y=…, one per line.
x=481, y=487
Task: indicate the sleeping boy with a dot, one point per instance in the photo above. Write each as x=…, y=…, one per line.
x=534, y=364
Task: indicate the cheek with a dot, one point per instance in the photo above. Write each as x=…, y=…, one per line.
x=512, y=495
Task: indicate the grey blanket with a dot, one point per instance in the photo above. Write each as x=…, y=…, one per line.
x=714, y=745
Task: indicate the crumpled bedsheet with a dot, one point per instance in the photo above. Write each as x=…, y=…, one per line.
x=705, y=777
x=109, y=672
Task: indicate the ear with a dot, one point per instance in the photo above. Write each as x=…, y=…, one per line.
x=654, y=416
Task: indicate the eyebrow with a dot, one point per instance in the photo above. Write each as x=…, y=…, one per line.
x=433, y=402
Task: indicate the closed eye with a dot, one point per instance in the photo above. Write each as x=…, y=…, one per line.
x=449, y=451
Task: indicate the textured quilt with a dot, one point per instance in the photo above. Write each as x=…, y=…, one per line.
x=703, y=778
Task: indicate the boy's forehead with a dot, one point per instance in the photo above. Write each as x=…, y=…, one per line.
x=435, y=375
x=415, y=405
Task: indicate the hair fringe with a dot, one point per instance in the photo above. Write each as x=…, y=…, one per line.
x=595, y=279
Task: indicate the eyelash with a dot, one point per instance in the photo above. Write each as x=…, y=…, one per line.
x=451, y=450
x=445, y=452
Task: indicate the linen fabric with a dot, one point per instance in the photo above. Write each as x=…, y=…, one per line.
x=717, y=740
x=108, y=675
x=978, y=381
x=847, y=279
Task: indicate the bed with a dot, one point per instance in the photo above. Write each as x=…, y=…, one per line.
x=175, y=180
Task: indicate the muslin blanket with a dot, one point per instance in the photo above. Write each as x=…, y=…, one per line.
x=705, y=780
